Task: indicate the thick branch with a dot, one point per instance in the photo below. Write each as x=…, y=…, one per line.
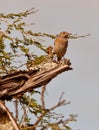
x=20, y=82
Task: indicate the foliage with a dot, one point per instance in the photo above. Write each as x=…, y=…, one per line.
x=16, y=42
x=45, y=117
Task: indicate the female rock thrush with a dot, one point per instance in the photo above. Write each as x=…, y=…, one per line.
x=61, y=44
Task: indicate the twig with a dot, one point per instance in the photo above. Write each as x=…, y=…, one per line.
x=75, y=36
x=72, y=118
x=16, y=109
x=64, y=122
x=24, y=116
x=61, y=96
x=42, y=96
x=40, y=118
x=60, y=102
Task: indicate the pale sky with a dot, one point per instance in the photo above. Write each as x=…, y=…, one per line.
x=81, y=86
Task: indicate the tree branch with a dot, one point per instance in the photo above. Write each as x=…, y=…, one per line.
x=10, y=116
x=16, y=84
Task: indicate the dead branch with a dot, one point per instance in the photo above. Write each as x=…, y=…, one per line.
x=16, y=84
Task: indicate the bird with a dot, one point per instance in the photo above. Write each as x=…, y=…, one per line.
x=61, y=44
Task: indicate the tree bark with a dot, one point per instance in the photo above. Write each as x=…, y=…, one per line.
x=17, y=83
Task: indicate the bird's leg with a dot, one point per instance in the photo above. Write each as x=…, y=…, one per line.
x=54, y=57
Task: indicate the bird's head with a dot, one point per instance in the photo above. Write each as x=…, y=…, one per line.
x=65, y=34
